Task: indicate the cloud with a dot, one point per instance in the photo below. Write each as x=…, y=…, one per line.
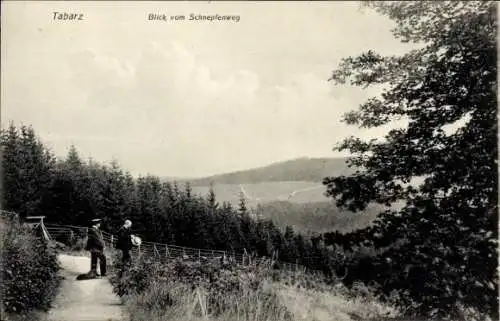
x=183, y=99
x=94, y=71
x=170, y=99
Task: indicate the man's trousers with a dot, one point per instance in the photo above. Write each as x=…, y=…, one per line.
x=98, y=255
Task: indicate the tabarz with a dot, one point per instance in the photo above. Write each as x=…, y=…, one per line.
x=67, y=16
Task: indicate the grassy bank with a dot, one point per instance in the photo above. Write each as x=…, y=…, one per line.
x=29, y=272
x=213, y=290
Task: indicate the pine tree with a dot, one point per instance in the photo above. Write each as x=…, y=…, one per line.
x=188, y=191
x=73, y=159
x=242, y=205
x=290, y=253
x=149, y=206
x=212, y=201
x=27, y=169
x=11, y=174
x=114, y=193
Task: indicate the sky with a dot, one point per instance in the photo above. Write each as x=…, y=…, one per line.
x=186, y=98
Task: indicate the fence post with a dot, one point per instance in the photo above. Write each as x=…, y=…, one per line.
x=112, y=241
x=166, y=251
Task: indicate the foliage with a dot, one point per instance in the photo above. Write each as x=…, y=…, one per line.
x=218, y=290
x=221, y=283
x=29, y=269
x=448, y=225
x=27, y=170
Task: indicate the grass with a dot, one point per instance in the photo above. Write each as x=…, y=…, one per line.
x=277, y=296
x=302, y=304
x=185, y=290
x=192, y=304
x=317, y=305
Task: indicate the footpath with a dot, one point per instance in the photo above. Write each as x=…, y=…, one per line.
x=86, y=300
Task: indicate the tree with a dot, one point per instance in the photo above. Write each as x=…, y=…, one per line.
x=211, y=198
x=68, y=202
x=188, y=190
x=114, y=193
x=449, y=222
x=242, y=205
x=290, y=247
x=10, y=152
x=149, y=191
x=27, y=170
x=231, y=228
x=73, y=159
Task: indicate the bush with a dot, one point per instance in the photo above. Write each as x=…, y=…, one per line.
x=200, y=288
x=30, y=267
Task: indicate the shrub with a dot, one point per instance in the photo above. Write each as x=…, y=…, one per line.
x=201, y=288
x=30, y=267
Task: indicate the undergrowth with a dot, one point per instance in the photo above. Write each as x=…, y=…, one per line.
x=184, y=289
x=209, y=289
x=29, y=271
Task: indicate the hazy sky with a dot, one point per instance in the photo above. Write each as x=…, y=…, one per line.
x=186, y=98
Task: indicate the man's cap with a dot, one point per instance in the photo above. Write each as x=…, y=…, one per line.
x=128, y=223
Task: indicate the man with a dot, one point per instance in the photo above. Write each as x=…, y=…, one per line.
x=124, y=242
x=95, y=244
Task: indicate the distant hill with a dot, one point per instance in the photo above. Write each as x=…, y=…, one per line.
x=289, y=193
x=301, y=169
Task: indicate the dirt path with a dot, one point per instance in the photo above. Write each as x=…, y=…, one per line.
x=89, y=300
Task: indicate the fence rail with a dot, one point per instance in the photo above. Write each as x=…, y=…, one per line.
x=76, y=235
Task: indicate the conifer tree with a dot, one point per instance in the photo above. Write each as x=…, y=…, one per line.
x=242, y=205
x=212, y=199
x=27, y=170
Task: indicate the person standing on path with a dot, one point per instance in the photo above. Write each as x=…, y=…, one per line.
x=95, y=244
x=124, y=242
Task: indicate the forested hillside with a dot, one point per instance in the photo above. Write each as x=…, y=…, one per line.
x=301, y=169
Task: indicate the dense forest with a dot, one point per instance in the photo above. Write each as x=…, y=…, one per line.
x=73, y=191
